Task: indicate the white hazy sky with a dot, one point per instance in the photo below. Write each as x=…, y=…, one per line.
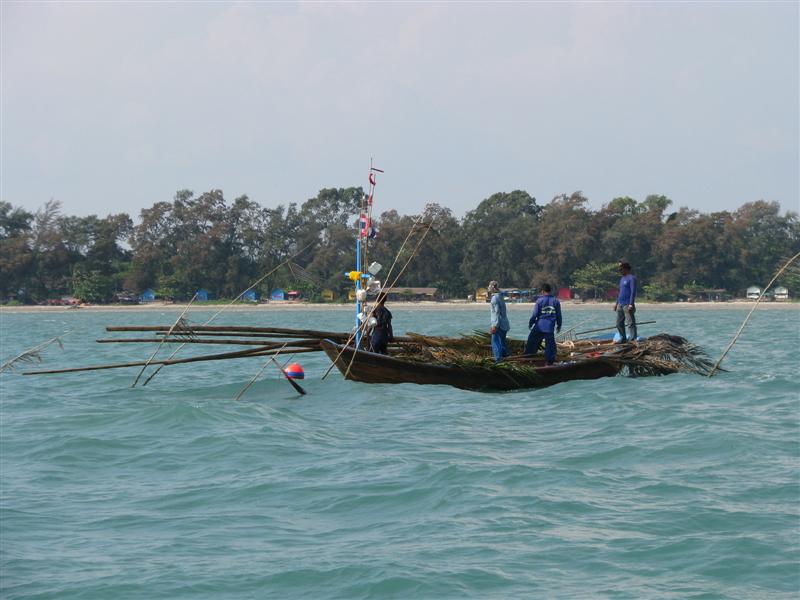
x=112, y=106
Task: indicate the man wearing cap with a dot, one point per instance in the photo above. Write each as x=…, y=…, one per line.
x=626, y=303
x=544, y=323
x=500, y=324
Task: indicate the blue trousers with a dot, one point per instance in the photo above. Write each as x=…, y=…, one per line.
x=499, y=347
x=535, y=340
x=379, y=342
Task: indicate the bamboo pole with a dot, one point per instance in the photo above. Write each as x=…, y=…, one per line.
x=229, y=342
x=171, y=329
x=611, y=328
x=208, y=357
x=238, y=334
x=229, y=329
x=261, y=370
x=752, y=310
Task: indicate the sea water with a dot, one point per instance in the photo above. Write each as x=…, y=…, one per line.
x=662, y=487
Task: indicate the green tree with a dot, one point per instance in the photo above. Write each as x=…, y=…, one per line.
x=630, y=229
x=696, y=248
x=438, y=258
x=500, y=240
x=53, y=257
x=91, y=286
x=329, y=221
x=658, y=292
x=596, y=278
x=16, y=254
x=565, y=240
x=765, y=238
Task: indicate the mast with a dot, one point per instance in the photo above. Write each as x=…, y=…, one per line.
x=365, y=232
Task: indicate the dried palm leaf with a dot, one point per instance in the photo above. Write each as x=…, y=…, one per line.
x=32, y=355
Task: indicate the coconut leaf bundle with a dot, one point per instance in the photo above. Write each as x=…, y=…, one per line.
x=660, y=355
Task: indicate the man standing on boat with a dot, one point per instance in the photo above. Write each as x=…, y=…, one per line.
x=544, y=323
x=382, y=332
x=500, y=324
x=626, y=303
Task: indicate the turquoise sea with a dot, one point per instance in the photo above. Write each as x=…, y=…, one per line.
x=671, y=487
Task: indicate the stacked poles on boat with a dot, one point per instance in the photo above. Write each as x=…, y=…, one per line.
x=267, y=341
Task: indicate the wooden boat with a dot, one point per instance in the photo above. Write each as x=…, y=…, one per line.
x=464, y=362
x=369, y=367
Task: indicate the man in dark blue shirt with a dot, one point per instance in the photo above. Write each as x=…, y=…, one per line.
x=626, y=303
x=382, y=332
x=545, y=320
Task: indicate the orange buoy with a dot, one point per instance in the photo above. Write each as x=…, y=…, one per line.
x=295, y=371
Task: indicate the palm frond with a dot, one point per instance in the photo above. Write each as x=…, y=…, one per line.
x=660, y=355
x=32, y=355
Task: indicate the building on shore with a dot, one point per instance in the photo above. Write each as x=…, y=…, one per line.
x=414, y=294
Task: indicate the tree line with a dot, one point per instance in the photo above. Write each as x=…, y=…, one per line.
x=205, y=241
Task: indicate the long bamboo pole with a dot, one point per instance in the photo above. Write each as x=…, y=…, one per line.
x=752, y=310
x=238, y=334
x=230, y=342
x=610, y=328
x=208, y=357
x=230, y=328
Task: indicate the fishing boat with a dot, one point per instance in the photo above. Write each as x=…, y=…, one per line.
x=370, y=367
x=464, y=362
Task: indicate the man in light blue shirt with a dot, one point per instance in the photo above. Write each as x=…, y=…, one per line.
x=500, y=324
x=626, y=303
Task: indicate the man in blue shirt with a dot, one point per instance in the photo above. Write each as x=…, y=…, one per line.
x=545, y=320
x=382, y=332
x=500, y=324
x=626, y=303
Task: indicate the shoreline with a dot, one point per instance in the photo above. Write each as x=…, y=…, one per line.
x=459, y=306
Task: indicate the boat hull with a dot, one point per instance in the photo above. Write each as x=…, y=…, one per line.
x=369, y=367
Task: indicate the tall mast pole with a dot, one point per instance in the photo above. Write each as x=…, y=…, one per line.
x=363, y=231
